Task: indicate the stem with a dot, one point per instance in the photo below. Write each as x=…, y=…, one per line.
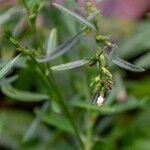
x=33, y=26
x=49, y=84
x=90, y=118
x=90, y=121
x=87, y=144
x=88, y=139
x=59, y=99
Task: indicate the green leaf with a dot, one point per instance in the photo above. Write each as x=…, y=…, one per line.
x=14, y=42
x=7, y=81
x=16, y=121
x=20, y=63
x=139, y=88
x=33, y=7
x=71, y=65
x=9, y=14
x=144, y=61
x=126, y=65
x=35, y=123
x=23, y=96
x=131, y=103
x=89, y=106
x=59, y=121
x=66, y=46
x=52, y=42
x=8, y=66
x=137, y=43
x=76, y=16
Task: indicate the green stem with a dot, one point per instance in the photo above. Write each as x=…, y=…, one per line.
x=60, y=99
x=88, y=144
x=91, y=118
x=89, y=124
x=33, y=26
x=51, y=85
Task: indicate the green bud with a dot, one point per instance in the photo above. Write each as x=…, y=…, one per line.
x=97, y=86
x=24, y=50
x=108, y=43
x=102, y=60
x=97, y=79
x=15, y=42
x=90, y=7
x=106, y=72
x=96, y=82
x=101, y=38
x=86, y=30
x=92, y=82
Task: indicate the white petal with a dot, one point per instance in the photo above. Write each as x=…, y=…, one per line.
x=100, y=101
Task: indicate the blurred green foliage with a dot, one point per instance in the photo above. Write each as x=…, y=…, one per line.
x=121, y=123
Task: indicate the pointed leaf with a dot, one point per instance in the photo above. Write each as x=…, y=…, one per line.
x=7, y=81
x=70, y=65
x=52, y=41
x=8, y=14
x=35, y=123
x=66, y=46
x=20, y=63
x=112, y=54
x=23, y=96
x=144, y=61
x=59, y=121
x=131, y=103
x=136, y=43
x=88, y=106
x=76, y=16
x=8, y=66
x=126, y=65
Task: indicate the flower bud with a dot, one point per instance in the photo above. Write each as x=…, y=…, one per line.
x=102, y=60
x=100, y=100
x=106, y=72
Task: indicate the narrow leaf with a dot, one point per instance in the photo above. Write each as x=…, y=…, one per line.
x=137, y=43
x=8, y=14
x=112, y=54
x=144, y=61
x=20, y=63
x=126, y=65
x=52, y=41
x=35, y=123
x=88, y=106
x=7, y=81
x=59, y=122
x=66, y=46
x=131, y=103
x=70, y=65
x=23, y=96
x=76, y=16
x=8, y=66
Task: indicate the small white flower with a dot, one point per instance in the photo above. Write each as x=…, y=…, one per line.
x=100, y=100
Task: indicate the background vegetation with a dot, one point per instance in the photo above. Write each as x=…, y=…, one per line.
x=36, y=115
